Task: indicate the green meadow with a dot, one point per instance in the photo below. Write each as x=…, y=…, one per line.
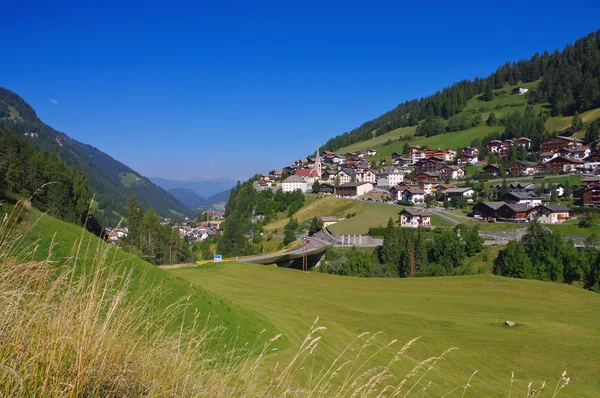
x=557, y=325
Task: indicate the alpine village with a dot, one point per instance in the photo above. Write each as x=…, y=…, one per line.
x=469, y=218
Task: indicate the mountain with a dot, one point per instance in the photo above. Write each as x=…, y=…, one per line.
x=562, y=83
x=110, y=180
x=194, y=201
x=203, y=186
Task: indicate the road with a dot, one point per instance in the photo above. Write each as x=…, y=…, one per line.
x=314, y=246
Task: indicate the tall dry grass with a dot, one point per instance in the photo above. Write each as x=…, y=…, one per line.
x=77, y=334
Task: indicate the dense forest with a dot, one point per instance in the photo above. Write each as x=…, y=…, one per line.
x=27, y=172
x=103, y=173
x=247, y=211
x=570, y=83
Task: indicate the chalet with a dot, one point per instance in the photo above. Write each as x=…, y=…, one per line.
x=515, y=212
x=426, y=176
x=371, y=152
x=468, y=159
x=521, y=198
x=523, y=167
x=547, y=156
x=466, y=193
x=414, y=218
x=414, y=195
x=345, y=175
x=524, y=142
x=326, y=188
x=413, y=148
x=441, y=154
x=277, y=173
x=353, y=189
x=328, y=153
x=552, y=214
x=444, y=187
x=309, y=175
x=580, y=152
x=558, y=142
x=495, y=146
x=471, y=151
x=593, y=181
x=360, y=154
x=519, y=91
x=367, y=176
x=508, y=143
x=453, y=172
x=591, y=196
x=402, y=161
x=562, y=163
x=418, y=155
x=492, y=168
x=294, y=183
x=486, y=210
x=429, y=165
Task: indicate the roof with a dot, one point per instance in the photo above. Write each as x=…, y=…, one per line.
x=294, y=178
x=572, y=139
x=494, y=165
x=307, y=172
x=328, y=218
x=591, y=179
x=523, y=138
x=347, y=170
x=557, y=208
x=570, y=160
x=416, y=212
x=520, y=195
x=492, y=205
x=458, y=190
x=547, y=153
x=415, y=190
x=517, y=208
x=352, y=184
x=525, y=163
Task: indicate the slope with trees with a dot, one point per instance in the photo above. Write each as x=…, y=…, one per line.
x=103, y=173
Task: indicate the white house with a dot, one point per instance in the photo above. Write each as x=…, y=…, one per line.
x=371, y=152
x=414, y=195
x=466, y=193
x=414, y=218
x=387, y=180
x=553, y=214
x=366, y=176
x=293, y=183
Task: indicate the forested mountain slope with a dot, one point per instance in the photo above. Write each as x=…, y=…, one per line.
x=569, y=82
x=110, y=180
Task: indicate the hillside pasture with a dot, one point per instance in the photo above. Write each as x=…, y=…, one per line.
x=557, y=327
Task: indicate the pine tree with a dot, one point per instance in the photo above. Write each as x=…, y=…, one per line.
x=577, y=123
x=592, y=134
x=492, y=120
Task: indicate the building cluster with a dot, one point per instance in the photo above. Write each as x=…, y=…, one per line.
x=116, y=234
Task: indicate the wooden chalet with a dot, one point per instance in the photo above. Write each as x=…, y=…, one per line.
x=562, y=163
x=558, y=142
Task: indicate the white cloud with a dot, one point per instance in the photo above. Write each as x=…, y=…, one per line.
x=53, y=101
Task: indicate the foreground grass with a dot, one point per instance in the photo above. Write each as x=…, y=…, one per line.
x=557, y=324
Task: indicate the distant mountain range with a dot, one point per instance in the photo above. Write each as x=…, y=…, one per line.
x=194, y=201
x=202, y=186
x=111, y=181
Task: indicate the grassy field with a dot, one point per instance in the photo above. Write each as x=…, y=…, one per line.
x=558, y=328
x=570, y=228
x=316, y=206
x=370, y=215
x=48, y=234
x=128, y=179
x=564, y=122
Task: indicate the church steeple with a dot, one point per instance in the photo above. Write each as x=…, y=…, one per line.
x=318, y=166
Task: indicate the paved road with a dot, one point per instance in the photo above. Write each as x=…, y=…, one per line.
x=315, y=246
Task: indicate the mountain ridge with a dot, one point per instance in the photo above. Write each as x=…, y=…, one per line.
x=104, y=173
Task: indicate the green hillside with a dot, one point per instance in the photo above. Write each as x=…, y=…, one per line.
x=62, y=240
x=110, y=180
x=557, y=327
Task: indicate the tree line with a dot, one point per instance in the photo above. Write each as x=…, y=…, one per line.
x=570, y=82
x=150, y=240
x=439, y=252
x=29, y=172
x=543, y=255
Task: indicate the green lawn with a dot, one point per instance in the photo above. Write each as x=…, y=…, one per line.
x=370, y=215
x=128, y=179
x=558, y=327
x=570, y=228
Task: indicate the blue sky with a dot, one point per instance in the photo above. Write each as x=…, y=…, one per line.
x=233, y=88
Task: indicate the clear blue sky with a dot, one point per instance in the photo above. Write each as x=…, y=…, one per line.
x=225, y=88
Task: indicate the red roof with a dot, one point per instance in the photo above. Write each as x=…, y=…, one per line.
x=307, y=173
